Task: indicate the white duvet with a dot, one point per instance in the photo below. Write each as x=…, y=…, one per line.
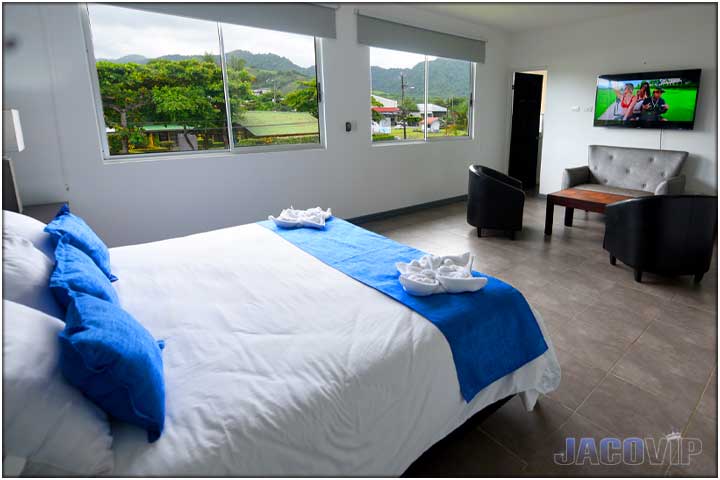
x=278, y=365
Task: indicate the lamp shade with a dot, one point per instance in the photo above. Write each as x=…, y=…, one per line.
x=12, y=132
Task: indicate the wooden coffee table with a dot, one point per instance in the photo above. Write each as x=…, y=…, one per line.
x=573, y=198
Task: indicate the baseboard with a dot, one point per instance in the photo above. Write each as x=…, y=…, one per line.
x=405, y=210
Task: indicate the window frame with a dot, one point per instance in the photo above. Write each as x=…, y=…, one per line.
x=232, y=149
x=426, y=139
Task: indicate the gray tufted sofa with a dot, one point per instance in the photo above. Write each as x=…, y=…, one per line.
x=634, y=172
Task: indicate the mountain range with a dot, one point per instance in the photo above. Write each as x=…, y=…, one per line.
x=260, y=61
x=447, y=77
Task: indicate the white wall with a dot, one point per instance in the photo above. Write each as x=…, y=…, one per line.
x=142, y=201
x=663, y=38
x=27, y=86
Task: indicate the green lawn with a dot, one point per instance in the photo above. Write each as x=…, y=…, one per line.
x=268, y=123
x=680, y=102
x=414, y=133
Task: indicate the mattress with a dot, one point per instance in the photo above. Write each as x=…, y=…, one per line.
x=279, y=365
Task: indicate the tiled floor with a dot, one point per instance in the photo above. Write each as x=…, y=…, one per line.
x=638, y=360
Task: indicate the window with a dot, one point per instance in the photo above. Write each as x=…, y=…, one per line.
x=449, y=97
x=418, y=97
x=274, y=100
x=171, y=84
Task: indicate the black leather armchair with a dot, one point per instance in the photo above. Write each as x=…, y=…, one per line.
x=664, y=234
x=495, y=201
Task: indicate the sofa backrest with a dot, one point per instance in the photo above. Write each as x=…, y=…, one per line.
x=633, y=168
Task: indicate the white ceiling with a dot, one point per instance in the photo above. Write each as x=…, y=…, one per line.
x=518, y=17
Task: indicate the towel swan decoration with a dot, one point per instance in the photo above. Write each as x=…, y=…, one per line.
x=433, y=274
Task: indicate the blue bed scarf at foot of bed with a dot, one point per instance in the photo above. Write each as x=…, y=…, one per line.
x=491, y=332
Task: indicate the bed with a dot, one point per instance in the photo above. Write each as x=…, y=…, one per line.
x=279, y=365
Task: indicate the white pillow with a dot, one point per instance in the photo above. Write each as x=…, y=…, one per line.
x=28, y=227
x=26, y=275
x=45, y=420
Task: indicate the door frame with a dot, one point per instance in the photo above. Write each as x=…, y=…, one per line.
x=508, y=110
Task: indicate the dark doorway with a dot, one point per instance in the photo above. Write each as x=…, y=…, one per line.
x=525, y=134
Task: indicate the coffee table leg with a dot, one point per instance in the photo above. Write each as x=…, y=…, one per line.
x=549, y=209
x=569, y=216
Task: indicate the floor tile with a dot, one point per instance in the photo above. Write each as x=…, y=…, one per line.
x=708, y=403
x=666, y=365
x=696, y=325
x=578, y=379
x=591, y=341
x=627, y=410
x=551, y=459
x=521, y=431
x=703, y=464
x=470, y=454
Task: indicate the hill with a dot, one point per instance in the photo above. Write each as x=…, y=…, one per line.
x=260, y=61
x=446, y=78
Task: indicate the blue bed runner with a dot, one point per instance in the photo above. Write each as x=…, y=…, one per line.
x=491, y=332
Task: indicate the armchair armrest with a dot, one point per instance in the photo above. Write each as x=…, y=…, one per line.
x=575, y=176
x=514, y=182
x=671, y=186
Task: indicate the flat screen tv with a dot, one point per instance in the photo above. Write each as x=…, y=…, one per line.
x=647, y=100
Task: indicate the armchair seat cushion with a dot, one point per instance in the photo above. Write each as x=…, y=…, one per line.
x=594, y=187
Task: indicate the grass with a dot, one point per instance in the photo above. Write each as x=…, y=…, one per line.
x=414, y=133
x=680, y=102
x=268, y=123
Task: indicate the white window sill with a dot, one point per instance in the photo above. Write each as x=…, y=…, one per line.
x=389, y=143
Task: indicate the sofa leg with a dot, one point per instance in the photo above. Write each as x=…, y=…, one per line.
x=479, y=232
x=638, y=275
x=613, y=260
x=698, y=277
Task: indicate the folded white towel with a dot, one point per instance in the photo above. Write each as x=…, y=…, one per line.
x=431, y=274
x=293, y=218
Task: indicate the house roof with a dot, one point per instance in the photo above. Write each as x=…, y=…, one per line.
x=431, y=107
x=169, y=127
x=386, y=102
x=385, y=109
x=266, y=123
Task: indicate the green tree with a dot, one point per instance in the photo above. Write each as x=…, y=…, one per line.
x=125, y=89
x=407, y=108
x=305, y=99
x=189, y=92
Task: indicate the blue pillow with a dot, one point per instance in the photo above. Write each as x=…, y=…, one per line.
x=115, y=362
x=82, y=236
x=76, y=273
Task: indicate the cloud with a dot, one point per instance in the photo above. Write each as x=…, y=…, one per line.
x=119, y=31
x=380, y=57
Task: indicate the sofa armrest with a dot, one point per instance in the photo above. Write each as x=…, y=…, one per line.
x=671, y=186
x=575, y=176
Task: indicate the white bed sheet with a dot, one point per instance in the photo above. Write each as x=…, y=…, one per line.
x=278, y=365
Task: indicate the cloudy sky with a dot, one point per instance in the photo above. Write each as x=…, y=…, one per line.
x=119, y=31
x=380, y=57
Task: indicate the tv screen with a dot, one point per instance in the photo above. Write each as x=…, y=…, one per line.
x=647, y=100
